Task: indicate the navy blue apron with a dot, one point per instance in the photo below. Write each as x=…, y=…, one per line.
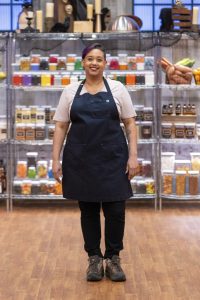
x=96, y=153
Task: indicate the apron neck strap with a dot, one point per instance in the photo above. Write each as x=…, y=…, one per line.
x=83, y=82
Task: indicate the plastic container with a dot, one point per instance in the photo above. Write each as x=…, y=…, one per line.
x=166, y=130
x=182, y=165
x=146, y=130
x=26, y=187
x=150, y=186
x=167, y=161
x=167, y=182
x=179, y=130
x=42, y=169
x=195, y=161
x=190, y=130
x=180, y=182
x=31, y=159
x=21, y=169
x=146, y=168
x=193, y=182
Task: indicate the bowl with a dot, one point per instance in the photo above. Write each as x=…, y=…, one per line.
x=124, y=23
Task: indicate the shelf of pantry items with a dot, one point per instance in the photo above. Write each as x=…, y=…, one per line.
x=180, y=141
x=32, y=142
x=130, y=88
x=143, y=196
x=38, y=197
x=179, y=87
x=48, y=36
x=181, y=198
x=179, y=118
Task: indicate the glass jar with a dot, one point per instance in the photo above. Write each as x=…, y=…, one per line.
x=71, y=58
x=35, y=59
x=30, y=132
x=44, y=63
x=70, y=66
x=167, y=160
x=17, y=79
x=34, y=67
x=20, y=131
x=57, y=79
x=26, y=187
x=26, y=114
x=139, y=61
x=195, y=161
x=58, y=188
x=78, y=64
x=25, y=63
x=36, y=187
x=180, y=182
x=51, y=130
x=44, y=186
x=190, y=131
x=3, y=128
x=193, y=182
x=32, y=172
x=130, y=79
x=52, y=67
x=65, y=80
x=141, y=186
x=61, y=63
x=148, y=113
x=139, y=109
x=146, y=130
x=17, y=187
x=40, y=115
x=53, y=58
x=33, y=113
x=132, y=63
x=166, y=130
x=179, y=129
x=51, y=187
x=150, y=186
x=146, y=168
x=21, y=169
x=149, y=63
x=31, y=158
x=114, y=63
x=40, y=133
x=45, y=80
x=42, y=169
x=26, y=80
x=167, y=182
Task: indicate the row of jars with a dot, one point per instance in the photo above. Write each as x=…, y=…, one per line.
x=71, y=62
x=144, y=129
x=144, y=113
x=36, y=187
x=33, y=132
x=46, y=79
x=169, y=162
x=33, y=168
x=180, y=130
x=179, y=109
x=180, y=182
x=142, y=185
x=34, y=114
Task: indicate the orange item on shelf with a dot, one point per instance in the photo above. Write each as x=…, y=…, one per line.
x=130, y=79
x=65, y=80
x=21, y=171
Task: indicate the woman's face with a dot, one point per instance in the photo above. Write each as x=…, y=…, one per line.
x=94, y=63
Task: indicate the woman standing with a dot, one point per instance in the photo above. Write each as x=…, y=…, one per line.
x=97, y=163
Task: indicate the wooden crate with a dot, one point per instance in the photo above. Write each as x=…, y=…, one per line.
x=182, y=18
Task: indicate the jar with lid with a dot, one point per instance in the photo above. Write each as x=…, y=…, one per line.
x=52, y=67
x=34, y=66
x=57, y=79
x=139, y=61
x=51, y=130
x=193, y=182
x=51, y=187
x=180, y=182
x=149, y=78
x=70, y=66
x=164, y=109
x=40, y=115
x=26, y=79
x=61, y=63
x=190, y=131
x=179, y=129
x=170, y=109
x=30, y=132
x=195, y=161
x=183, y=165
x=167, y=182
x=15, y=67
x=32, y=172
x=45, y=79
x=17, y=79
x=114, y=63
x=147, y=168
x=146, y=129
x=166, y=130
x=26, y=187
x=44, y=186
x=35, y=187
x=26, y=114
x=42, y=170
x=132, y=63
x=25, y=63
x=140, y=79
x=35, y=59
x=31, y=158
x=17, y=187
x=149, y=63
x=167, y=160
x=58, y=188
x=123, y=63
x=178, y=109
x=40, y=132
x=21, y=169
x=53, y=58
x=65, y=80
x=130, y=79
x=44, y=63
x=3, y=128
x=71, y=58
x=36, y=79
x=18, y=113
x=20, y=131
x=148, y=113
x=139, y=109
x=78, y=64
x=150, y=185
x=52, y=113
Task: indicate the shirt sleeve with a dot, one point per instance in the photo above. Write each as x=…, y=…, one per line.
x=62, y=113
x=127, y=109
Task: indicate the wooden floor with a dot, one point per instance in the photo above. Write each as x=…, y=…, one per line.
x=42, y=255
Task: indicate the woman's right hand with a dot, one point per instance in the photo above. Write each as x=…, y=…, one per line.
x=57, y=170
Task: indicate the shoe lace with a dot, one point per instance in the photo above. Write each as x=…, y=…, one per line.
x=116, y=264
x=93, y=264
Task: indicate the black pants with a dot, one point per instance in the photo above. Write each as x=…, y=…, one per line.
x=114, y=213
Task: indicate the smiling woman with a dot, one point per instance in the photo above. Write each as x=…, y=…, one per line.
x=97, y=164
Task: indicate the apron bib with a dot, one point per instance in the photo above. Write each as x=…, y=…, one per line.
x=96, y=153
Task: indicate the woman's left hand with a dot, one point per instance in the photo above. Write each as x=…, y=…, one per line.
x=132, y=167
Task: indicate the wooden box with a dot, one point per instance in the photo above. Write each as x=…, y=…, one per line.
x=182, y=18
